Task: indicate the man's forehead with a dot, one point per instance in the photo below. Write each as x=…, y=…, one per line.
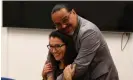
x=63, y=11
x=56, y=16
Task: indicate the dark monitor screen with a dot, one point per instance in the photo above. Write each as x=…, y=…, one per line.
x=107, y=15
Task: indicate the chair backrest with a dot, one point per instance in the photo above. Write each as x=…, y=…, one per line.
x=3, y=78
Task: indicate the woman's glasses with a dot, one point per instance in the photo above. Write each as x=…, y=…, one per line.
x=56, y=47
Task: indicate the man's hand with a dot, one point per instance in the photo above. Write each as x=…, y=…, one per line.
x=69, y=72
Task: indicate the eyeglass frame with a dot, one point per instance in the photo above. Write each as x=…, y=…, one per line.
x=64, y=22
x=55, y=47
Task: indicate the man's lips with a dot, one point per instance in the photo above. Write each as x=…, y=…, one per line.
x=67, y=29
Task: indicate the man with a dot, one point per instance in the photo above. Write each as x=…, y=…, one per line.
x=93, y=61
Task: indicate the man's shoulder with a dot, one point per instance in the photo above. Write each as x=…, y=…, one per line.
x=87, y=26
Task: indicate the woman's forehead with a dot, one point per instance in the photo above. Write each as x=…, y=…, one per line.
x=53, y=40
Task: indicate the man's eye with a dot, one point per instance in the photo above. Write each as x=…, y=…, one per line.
x=65, y=21
x=57, y=25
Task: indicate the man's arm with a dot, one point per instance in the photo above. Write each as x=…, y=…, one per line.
x=90, y=41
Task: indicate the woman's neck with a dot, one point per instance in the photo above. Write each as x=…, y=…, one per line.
x=61, y=65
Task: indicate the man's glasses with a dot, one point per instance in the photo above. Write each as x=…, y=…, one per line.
x=64, y=21
x=56, y=47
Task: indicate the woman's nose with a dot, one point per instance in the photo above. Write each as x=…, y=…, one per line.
x=54, y=50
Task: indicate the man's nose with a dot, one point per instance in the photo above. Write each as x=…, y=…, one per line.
x=64, y=25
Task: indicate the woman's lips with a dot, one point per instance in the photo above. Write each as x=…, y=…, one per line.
x=56, y=55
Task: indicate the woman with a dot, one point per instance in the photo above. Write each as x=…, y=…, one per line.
x=61, y=53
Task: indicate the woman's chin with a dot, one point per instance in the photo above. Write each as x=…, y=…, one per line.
x=57, y=59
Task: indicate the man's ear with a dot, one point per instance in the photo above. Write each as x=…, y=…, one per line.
x=73, y=11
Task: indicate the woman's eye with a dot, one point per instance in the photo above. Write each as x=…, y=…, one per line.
x=57, y=45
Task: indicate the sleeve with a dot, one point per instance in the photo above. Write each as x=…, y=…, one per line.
x=60, y=77
x=90, y=42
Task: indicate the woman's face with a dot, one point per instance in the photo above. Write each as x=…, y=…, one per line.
x=57, y=48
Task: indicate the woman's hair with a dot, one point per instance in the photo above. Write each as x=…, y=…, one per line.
x=70, y=53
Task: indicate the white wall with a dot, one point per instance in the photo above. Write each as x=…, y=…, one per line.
x=24, y=53
x=4, y=52
x=122, y=59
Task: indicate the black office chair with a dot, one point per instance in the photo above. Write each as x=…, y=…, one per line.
x=4, y=78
